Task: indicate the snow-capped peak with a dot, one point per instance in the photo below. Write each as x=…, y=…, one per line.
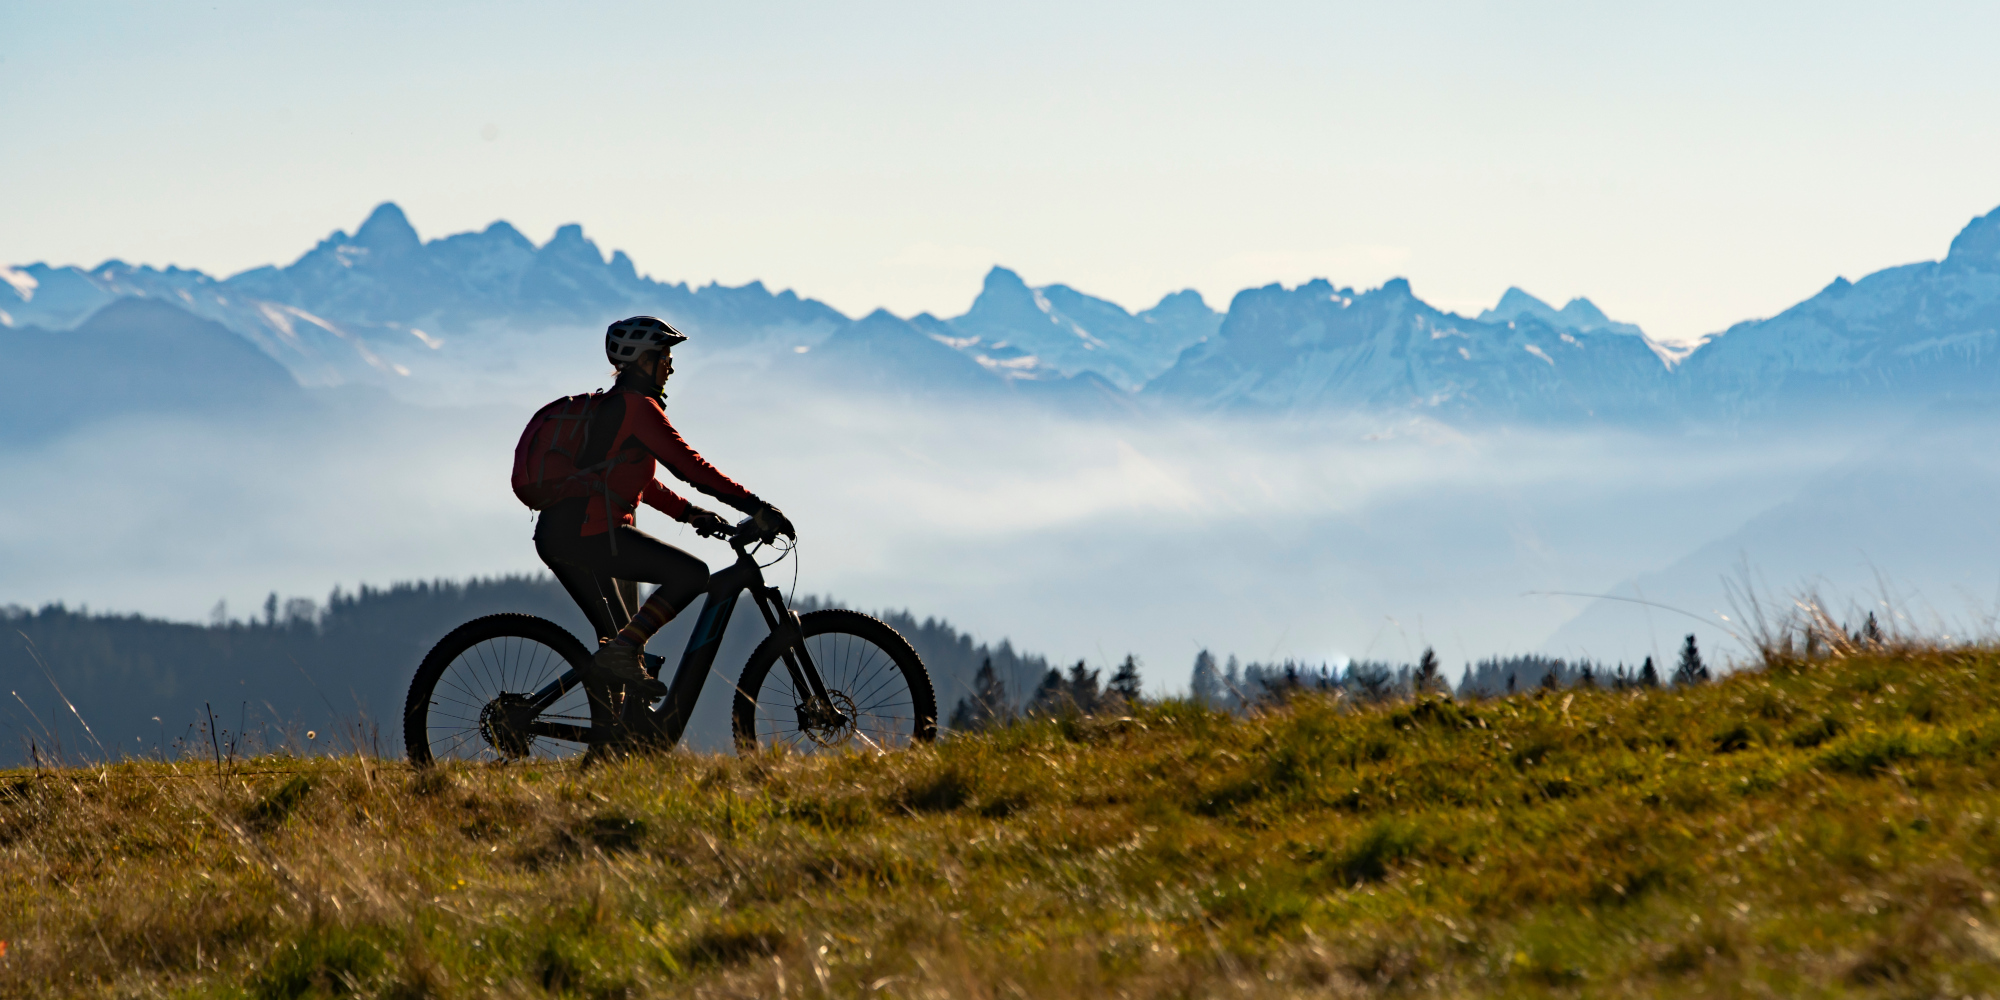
x=1579, y=314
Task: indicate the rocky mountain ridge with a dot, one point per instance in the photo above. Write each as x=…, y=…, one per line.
x=349, y=308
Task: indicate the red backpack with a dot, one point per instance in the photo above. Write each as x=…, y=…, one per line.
x=545, y=462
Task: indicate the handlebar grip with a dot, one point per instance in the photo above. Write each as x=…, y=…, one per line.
x=747, y=531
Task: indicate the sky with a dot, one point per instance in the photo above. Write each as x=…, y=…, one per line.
x=1685, y=165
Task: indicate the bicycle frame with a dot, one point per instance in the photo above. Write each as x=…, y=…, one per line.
x=666, y=723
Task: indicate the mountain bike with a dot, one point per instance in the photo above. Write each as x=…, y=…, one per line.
x=511, y=687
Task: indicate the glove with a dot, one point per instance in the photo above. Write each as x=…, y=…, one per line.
x=706, y=523
x=773, y=521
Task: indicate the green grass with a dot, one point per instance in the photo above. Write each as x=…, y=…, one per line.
x=1818, y=828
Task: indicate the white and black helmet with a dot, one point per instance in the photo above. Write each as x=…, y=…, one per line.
x=627, y=339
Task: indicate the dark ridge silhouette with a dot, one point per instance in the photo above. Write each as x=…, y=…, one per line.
x=92, y=686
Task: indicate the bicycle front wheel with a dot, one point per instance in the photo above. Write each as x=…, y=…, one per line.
x=480, y=694
x=878, y=695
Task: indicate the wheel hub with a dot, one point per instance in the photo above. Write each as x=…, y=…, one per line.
x=503, y=724
x=828, y=721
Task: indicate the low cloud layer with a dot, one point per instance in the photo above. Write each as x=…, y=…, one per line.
x=1078, y=538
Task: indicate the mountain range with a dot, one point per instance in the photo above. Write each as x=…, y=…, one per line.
x=367, y=307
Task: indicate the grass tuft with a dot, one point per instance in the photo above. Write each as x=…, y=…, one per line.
x=326, y=961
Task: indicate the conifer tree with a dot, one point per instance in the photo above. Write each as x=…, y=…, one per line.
x=1549, y=682
x=1125, y=681
x=986, y=707
x=1206, y=685
x=1587, y=677
x=1051, y=695
x=1872, y=631
x=1427, y=678
x=1082, y=689
x=1690, y=670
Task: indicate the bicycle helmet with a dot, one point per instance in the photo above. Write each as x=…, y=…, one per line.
x=626, y=339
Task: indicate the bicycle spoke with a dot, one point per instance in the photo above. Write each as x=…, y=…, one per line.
x=463, y=695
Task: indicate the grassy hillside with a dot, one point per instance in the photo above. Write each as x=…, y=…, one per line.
x=1822, y=828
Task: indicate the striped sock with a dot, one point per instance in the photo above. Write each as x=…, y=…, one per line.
x=652, y=616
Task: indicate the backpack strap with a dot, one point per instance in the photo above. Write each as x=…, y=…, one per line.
x=595, y=459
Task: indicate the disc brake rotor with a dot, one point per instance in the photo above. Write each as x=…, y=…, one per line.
x=830, y=722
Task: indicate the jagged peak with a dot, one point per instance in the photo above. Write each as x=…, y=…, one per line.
x=1001, y=279
x=1181, y=303
x=1584, y=312
x=502, y=231
x=1185, y=295
x=387, y=230
x=569, y=241
x=622, y=264
x=1003, y=298
x=879, y=318
x=1516, y=302
x=1516, y=299
x=1978, y=242
x=1578, y=314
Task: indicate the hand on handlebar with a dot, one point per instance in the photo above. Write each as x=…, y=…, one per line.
x=772, y=522
x=707, y=523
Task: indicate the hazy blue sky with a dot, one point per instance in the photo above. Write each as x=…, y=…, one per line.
x=1686, y=165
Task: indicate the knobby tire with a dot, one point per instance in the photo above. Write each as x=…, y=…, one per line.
x=866, y=661
x=512, y=635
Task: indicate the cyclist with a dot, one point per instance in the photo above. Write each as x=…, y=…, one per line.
x=593, y=548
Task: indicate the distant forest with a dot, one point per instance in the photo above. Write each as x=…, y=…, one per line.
x=1237, y=687
x=91, y=686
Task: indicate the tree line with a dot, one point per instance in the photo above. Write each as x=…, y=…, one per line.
x=91, y=685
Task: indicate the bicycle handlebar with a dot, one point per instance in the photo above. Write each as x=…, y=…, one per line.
x=746, y=532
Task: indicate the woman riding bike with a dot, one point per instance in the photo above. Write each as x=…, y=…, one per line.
x=587, y=536
x=503, y=686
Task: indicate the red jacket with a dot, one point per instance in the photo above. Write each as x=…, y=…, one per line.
x=644, y=436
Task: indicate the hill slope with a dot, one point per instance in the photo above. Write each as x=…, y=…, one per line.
x=1822, y=828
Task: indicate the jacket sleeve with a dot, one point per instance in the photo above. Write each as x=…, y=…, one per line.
x=657, y=496
x=659, y=437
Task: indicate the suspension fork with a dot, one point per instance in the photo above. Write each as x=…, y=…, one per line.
x=784, y=623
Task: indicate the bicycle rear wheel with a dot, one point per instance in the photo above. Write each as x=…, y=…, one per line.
x=474, y=697
x=879, y=696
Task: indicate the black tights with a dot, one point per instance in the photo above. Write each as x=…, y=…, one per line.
x=606, y=585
